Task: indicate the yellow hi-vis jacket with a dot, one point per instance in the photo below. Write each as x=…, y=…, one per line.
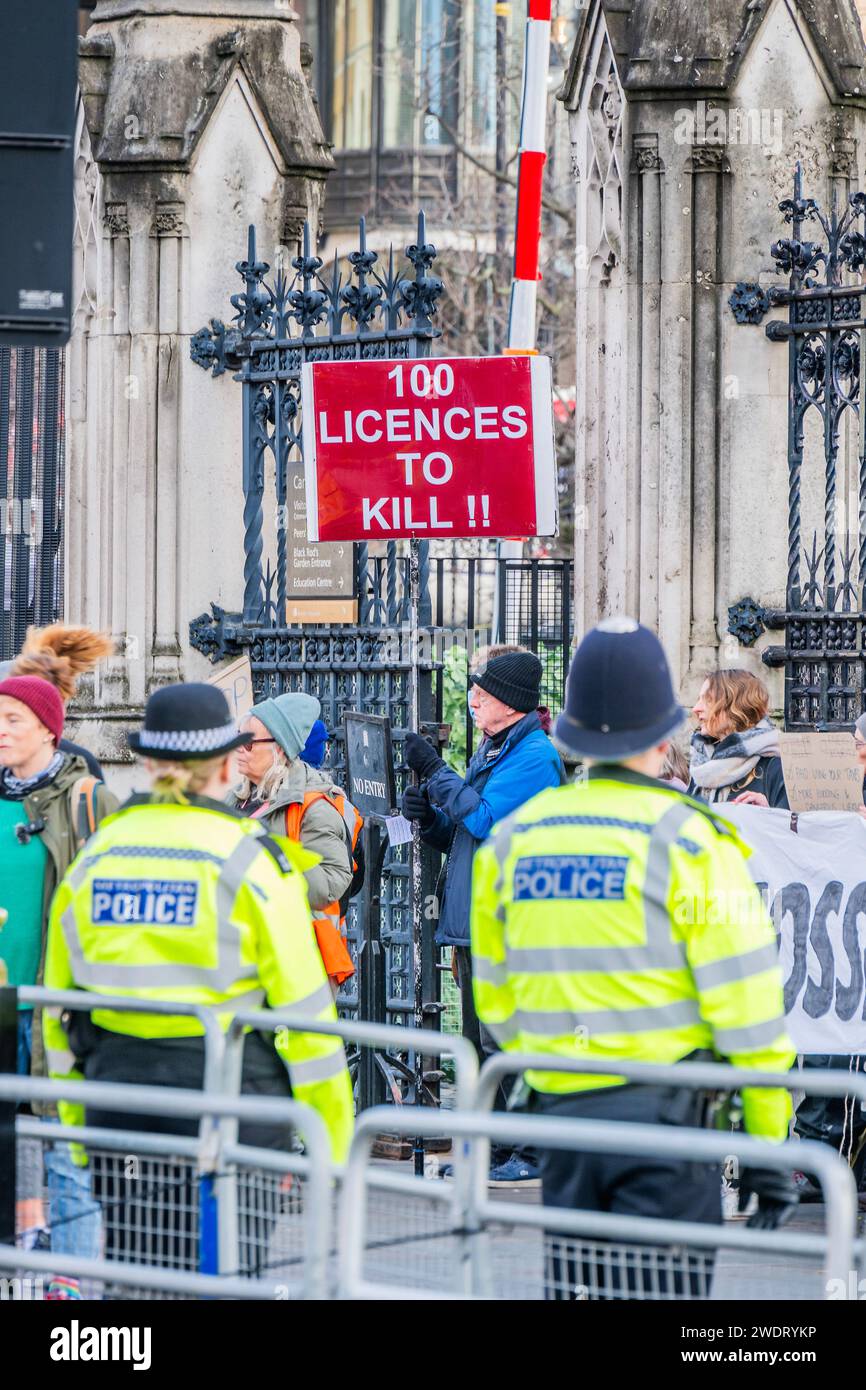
x=616, y=918
x=194, y=903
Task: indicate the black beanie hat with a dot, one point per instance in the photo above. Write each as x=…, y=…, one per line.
x=514, y=678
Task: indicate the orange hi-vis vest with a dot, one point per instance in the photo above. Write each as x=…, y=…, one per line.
x=329, y=921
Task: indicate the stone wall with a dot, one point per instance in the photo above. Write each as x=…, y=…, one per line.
x=197, y=119
x=686, y=127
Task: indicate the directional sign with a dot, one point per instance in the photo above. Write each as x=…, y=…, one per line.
x=440, y=448
x=313, y=572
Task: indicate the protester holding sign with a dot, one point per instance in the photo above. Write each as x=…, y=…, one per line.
x=295, y=800
x=515, y=761
x=735, y=751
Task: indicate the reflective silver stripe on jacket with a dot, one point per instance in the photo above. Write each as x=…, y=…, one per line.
x=592, y=1023
x=748, y=1039
x=491, y=974
x=640, y=827
x=734, y=968
x=312, y=1003
x=78, y=872
x=60, y=1060
x=503, y=1033
x=228, y=971
x=318, y=1068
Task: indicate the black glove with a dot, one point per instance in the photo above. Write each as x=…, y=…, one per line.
x=416, y=806
x=777, y=1196
x=422, y=756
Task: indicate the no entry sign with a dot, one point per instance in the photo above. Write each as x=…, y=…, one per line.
x=434, y=448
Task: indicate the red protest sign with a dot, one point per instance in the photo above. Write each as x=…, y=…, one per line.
x=434, y=448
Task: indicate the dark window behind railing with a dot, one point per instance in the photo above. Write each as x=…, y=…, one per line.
x=31, y=491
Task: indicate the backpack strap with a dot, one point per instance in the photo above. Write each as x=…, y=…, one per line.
x=83, y=800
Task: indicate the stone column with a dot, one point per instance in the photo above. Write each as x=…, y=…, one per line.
x=707, y=165
x=647, y=436
x=199, y=120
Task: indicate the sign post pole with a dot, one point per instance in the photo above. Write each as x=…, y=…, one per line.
x=415, y=853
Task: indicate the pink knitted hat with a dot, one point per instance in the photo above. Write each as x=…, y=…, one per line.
x=39, y=696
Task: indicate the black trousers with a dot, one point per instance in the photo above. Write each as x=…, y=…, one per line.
x=834, y=1120
x=150, y=1205
x=578, y=1268
x=485, y=1045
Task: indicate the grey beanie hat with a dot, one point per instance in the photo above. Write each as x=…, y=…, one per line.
x=289, y=718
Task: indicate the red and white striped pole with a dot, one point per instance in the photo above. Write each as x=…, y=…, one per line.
x=530, y=173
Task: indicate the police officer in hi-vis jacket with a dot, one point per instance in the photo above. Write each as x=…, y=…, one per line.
x=616, y=918
x=178, y=897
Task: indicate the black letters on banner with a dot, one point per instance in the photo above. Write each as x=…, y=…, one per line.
x=794, y=898
x=819, y=997
x=807, y=928
x=848, y=996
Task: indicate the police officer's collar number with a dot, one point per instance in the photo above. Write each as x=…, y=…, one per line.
x=129, y=902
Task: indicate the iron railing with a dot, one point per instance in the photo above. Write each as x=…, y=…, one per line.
x=31, y=491
x=824, y=618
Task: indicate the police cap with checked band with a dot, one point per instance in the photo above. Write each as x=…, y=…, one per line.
x=620, y=699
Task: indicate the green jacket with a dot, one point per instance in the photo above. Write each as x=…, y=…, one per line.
x=53, y=805
x=323, y=832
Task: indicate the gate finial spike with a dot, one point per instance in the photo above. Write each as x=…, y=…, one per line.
x=251, y=243
x=422, y=227
x=306, y=239
x=362, y=234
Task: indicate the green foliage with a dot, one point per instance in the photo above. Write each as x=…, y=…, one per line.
x=454, y=676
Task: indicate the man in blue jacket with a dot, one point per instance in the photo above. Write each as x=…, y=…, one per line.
x=515, y=761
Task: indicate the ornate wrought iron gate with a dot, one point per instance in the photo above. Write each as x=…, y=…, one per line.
x=824, y=621
x=307, y=316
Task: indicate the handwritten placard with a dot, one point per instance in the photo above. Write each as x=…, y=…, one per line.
x=821, y=772
x=236, y=683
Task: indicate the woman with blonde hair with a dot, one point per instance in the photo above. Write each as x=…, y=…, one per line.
x=183, y=900
x=292, y=798
x=735, y=750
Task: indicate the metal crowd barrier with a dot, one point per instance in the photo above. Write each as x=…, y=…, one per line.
x=174, y=1223
x=377, y=1035
x=486, y=1248
x=710, y=1076
x=79, y=1001
x=235, y=1197
x=251, y=1212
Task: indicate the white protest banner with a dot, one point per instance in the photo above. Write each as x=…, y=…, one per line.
x=814, y=884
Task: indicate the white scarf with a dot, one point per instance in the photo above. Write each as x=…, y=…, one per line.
x=720, y=763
